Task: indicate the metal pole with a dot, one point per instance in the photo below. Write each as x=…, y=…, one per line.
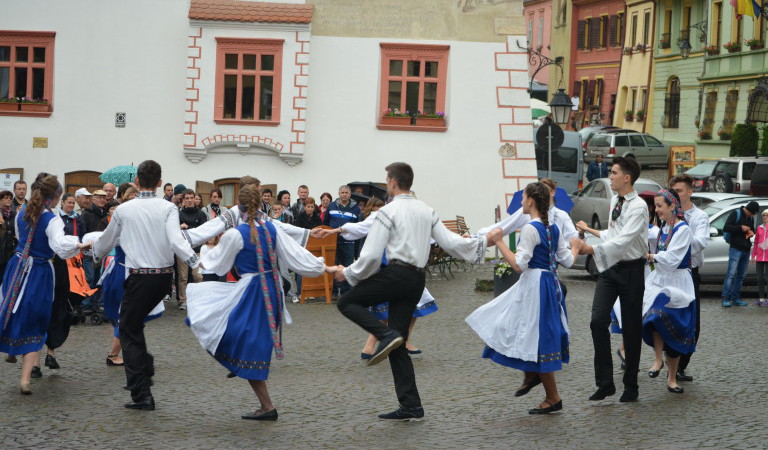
x=549, y=140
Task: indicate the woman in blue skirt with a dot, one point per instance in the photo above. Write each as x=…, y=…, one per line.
x=28, y=281
x=240, y=324
x=526, y=327
x=669, y=310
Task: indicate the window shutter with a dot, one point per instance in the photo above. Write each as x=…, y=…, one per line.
x=577, y=89
x=612, y=31
x=623, y=29
x=599, y=92
x=590, y=92
x=580, y=35
x=594, y=33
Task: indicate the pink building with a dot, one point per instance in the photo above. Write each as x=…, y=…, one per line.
x=538, y=17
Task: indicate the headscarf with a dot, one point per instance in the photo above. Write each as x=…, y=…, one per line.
x=670, y=197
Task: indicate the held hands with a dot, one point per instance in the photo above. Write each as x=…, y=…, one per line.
x=339, y=274
x=576, y=245
x=581, y=226
x=85, y=245
x=184, y=226
x=323, y=232
x=494, y=236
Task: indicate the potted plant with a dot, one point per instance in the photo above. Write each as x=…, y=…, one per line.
x=640, y=48
x=704, y=135
x=629, y=115
x=712, y=49
x=732, y=47
x=430, y=119
x=627, y=50
x=640, y=115
x=34, y=104
x=503, y=276
x=664, y=42
x=723, y=135
x=9, y=104
x=395, y=117
x=754, y=43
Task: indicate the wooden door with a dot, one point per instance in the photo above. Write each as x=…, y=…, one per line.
x=82, y=179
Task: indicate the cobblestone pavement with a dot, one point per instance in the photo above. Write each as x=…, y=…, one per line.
x=327, y=398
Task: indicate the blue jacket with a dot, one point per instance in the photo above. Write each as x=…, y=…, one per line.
x=337, y=215
x=595, y=172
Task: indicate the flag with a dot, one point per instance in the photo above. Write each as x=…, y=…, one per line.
x=746, y=7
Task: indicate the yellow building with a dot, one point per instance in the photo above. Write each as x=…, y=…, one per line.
x=633, y=100
x=560, y=45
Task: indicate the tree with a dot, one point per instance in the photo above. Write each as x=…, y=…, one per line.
x=744, y=141
x=764, y=143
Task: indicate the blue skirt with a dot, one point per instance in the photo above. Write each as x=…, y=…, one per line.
x=553, y=336
x=615, y=328
x=381, y=311
x=246, y=346
x=27, y=328
x=676, y=326
x=112, y=289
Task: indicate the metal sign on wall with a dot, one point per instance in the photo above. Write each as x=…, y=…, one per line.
x=120, y=120
x=39, y=142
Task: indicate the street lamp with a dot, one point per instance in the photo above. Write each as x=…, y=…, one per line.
x=685, y=49
x=561, y=107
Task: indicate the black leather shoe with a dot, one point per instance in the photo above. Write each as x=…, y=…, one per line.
x=111, y=363
x=51, y=363
x=551, y=408
x=655, y=373
x=146, y=404
x=270, y=415
x=36, y=372
x=603, y=392
x=527, y=386
x=405, y=413
x=10, y=358
x=388, y=343
x=629, y=395
x=231, y=375
x=681, y=376
x=675, y=390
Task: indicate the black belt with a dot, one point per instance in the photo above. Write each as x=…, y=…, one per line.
x=162, y=270
x=397, y=262
x=634, y=261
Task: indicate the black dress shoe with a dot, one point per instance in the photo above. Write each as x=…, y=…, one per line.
x=655, y=373
x=270, y=415
x=231, y=375
x=405, y=413
x=145, y=404
x=527, y=386
x=681, y=376
x=111, y=363
x=388, y=343
x=629, y=395
x=36, y=372
x=675, y=390
x=551, y=408
x=603, y=392
x=51, y=363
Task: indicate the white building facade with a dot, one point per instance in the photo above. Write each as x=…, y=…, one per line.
x=290, y=92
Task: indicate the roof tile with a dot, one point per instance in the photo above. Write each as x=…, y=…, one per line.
x=250, y=11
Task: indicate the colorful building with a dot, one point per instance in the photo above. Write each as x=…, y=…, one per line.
x=560, y=46
x=538, y=18
x=637, y=43
x=596, y=49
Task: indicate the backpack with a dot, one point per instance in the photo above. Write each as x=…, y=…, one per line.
x=727, y=234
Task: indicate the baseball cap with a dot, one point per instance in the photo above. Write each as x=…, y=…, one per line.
x=179, y=189
x=82, y=191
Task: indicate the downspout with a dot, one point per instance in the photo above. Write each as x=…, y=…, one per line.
x=621, y=63
x=648, y=91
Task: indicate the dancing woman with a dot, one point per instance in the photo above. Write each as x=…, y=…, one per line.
x=669, y=311
x=240, y=323
x=28, y=282
x=526, y=327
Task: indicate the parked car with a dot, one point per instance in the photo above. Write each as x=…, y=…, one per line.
x=592, y=204
x=702, y=199
x=567, y=162
x=701, y=174
x=586, y=133
x=734, y=174
x=716, y=253
x=758, y=185
x=646, y=149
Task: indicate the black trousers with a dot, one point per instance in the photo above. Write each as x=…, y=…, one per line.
x=685, y=359
x=402, y=288
x=61, y=310
x=625, y=280
x=142, y=294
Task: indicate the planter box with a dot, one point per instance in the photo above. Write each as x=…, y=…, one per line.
x=629, y=118
x=391, y=120
x=9, y=106
x=734, y=50
x=35, y=107
x=430, y=122
x=756, y=47
x=504, y=282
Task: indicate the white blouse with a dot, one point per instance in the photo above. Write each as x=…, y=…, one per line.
x=232, y=218
x=530, y=238
x=221, y=258
x=670, y=258
x=626, y=238
x=353, y=231
x=518, y=220
x=61, y=244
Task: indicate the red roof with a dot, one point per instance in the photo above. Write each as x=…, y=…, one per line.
x=250, y=11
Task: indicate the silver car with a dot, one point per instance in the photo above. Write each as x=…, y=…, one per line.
x=644, y=148
x=593, y=203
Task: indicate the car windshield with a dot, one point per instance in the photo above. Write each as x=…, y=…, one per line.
x=702, y=170
x=711, y=210
x=564, y=159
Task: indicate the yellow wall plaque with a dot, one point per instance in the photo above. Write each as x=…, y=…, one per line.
x=40, y=142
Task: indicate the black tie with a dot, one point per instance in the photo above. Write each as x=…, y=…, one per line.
x=617, y=210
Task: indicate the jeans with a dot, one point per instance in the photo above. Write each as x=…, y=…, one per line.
x=734, y=278
x=92, y=274
x=762, y=277
x=345, y=255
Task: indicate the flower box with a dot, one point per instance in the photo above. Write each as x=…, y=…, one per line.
x=756, y=47
x=35, y=107
x=5, y=106
x=734, y=49
x=395, y=120
x=430, y=121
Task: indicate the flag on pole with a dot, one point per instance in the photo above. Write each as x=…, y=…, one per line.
x=746, y=7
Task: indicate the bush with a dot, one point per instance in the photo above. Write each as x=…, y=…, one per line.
x=764, y=143
x=744, y=141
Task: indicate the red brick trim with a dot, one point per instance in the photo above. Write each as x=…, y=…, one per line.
x=299, y=103
x=242, y=138
x=194, y=52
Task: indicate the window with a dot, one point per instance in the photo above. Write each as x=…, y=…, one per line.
x=652, y=141
x=647, y=28
x=622, y=141
x=636, y=140
x=709, y=115
x=598, y=191
x=598, y=92
x=759, y=29
x=564, y=159
x=667, y=34
x=26, y=70
x=413, y=78
x=643, y=98
x=736, y=30
x=248, y=79
x=686, y=23
x=620, y=26
x=587, y=32
x=530, y=31
x=541, y=31
x=717, y=23
x=672, y=104
x=604, y=31
x=230, y=187
x=729, y=119
x=633, y=105
x=634, y=30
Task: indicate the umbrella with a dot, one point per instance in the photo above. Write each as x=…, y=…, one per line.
x=119, y=175
x=539, y=108
x=562, y=201
x=369, y=188
x=536, y=113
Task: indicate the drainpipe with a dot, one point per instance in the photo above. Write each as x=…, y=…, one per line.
x=648, y=87
x=621, y=63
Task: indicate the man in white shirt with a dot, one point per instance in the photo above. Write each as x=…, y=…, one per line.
x=620, y=259
x=148, y=229
x=698, y=222
x=404, y=229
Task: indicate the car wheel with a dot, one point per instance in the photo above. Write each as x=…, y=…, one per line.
x=591, y=266
x=723, y=183
x=596, y=223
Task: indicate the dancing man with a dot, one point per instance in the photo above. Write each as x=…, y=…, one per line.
x=403, y=228
x=620, y=259
x=148, y=229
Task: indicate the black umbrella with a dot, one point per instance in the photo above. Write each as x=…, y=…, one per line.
x=369, y=189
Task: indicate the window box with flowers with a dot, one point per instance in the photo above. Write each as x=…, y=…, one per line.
x=629, y=115
x=732, y=47
x=430, y=120
x=724, y=135
x=627, y=50
x=395, y=117
x=640, y=115
x=9, y=104
x=504, y=277
x=665, y=41
x=712, y=50
x=640, y=48
x=754, y=44
x=34, y=105
x=704, y=135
